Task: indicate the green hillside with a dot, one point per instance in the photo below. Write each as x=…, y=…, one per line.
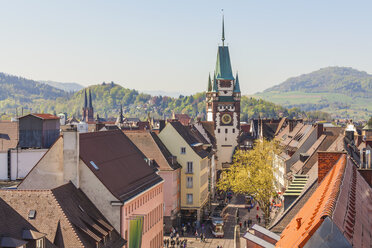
x=344, y=92
x=30, y=96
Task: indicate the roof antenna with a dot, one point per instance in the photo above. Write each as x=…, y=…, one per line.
x=223, y=29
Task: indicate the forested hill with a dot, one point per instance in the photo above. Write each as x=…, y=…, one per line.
x=343, y=80
x=342, y=91
x=23, y=89
x=32, y=96
x=107, y=99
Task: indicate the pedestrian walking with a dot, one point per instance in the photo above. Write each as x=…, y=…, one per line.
x=196, y=235
x=245, y=223
x=259, y=219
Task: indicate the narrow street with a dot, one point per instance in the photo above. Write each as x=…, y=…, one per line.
x=237, y=202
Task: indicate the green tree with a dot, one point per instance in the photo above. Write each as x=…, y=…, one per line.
x=252, y=173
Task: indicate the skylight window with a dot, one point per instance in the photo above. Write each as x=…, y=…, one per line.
x=94, y=165
x=31, y=214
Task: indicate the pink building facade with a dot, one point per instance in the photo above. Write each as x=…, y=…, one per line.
x=172, y=193
x=148, y=204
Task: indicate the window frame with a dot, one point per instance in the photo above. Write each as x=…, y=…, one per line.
x=183, y=150
x=189, y=182
x=190, y=164
x=188, y=199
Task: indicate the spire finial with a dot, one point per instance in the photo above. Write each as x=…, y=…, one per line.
x=223, y=30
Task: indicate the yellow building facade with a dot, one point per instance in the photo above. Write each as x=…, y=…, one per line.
x=195, y=164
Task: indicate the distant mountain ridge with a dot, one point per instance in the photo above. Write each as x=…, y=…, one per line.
x=342, y=91
x=22, y=89
x=343, y=80
x=69, y=87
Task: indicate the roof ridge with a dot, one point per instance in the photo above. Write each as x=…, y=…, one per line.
x=66, y=218
x=335, y=190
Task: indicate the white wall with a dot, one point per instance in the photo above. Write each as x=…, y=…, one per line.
x=3, y=166
x=22, y=161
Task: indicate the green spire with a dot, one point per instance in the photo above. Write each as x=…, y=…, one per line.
x=223, y=31
x=223, y=64
x=237, y=86
x=215, y=88
x=209, y=83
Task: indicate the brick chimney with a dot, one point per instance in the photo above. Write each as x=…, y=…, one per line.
x=326, y=161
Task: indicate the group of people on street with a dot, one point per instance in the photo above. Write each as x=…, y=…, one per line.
x=175, y=243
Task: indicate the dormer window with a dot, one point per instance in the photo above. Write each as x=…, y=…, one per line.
x=31, y=214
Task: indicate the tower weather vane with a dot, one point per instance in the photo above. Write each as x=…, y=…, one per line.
x=223, y=29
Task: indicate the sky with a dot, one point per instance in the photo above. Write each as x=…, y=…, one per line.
x=172, y=45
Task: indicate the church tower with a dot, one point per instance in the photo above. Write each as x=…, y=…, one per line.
x=88, y=112
x=223, y=105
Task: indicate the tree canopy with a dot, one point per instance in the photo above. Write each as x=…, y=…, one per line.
x=252, y=173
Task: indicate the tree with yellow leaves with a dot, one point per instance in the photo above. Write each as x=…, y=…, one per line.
x=252, y=173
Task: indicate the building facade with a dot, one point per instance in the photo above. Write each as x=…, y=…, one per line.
x=169, y=169
x=195, y=163
x=223, y=105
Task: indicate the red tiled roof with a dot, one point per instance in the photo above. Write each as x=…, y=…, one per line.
x=344, y=197
x=320, y=204
x=45, y=116
x=245, y=127
x=183, y=118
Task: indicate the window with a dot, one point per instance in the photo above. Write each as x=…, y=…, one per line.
x=189, y=199
x=219, y=130
x=183, y=150
x=39, y=243
x=225, y=130
x=189, y=182
x=189, y=167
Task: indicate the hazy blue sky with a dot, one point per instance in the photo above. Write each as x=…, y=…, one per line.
x=172, y=45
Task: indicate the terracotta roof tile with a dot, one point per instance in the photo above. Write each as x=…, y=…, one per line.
x=321, y=203
x=56, y=209
x=45, y=116
x=344, y=197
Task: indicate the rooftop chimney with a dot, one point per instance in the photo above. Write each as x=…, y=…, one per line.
x=291, y=125
x=320, y=129
x=326, y=160
x=71, y=156
x=298, y=220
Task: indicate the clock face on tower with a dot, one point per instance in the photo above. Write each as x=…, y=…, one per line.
x=226, y=119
